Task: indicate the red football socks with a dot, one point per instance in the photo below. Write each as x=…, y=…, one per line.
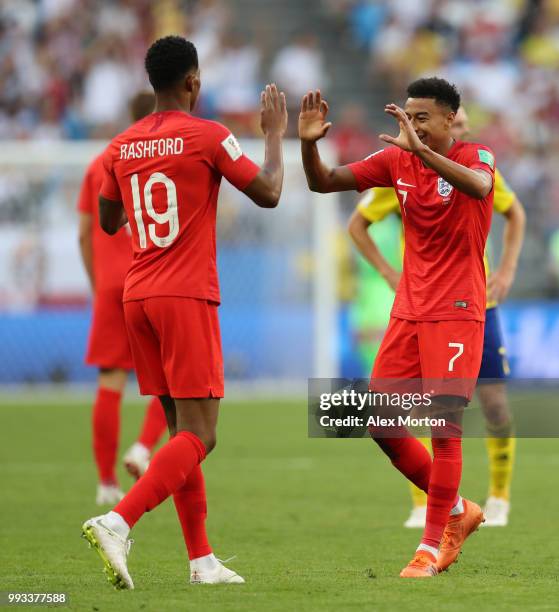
x=408, y=456
x=439, y=478
x=106, y=427
x=444, y=482
x=154, y=425
x=190, y=502
x=166, y=474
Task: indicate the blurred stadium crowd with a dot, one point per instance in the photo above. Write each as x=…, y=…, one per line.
x=68, y=68
x=504, y=57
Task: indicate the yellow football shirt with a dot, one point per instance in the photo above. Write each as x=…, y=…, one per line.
x=379, y=202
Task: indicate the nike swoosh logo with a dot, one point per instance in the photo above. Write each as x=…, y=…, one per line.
x=401, y=182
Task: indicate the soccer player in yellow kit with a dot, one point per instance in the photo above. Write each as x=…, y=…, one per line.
x=380, y=202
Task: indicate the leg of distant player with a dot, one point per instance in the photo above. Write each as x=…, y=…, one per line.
x=154, y=425
x=136, y=458
x=106, y=429
x=501, y=446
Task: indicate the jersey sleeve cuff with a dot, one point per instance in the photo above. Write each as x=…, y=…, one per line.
x=113, y=197
x=250, y=176
x=354, y=167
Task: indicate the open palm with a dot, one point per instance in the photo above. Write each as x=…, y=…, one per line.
x=312, y=118
x=407, y=139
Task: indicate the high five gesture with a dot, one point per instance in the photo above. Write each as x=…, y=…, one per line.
x=312, y=119
x=312, y=127
x=273, y=111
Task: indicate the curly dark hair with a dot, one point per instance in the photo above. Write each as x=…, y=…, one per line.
x=168, y=60
x=441, y=91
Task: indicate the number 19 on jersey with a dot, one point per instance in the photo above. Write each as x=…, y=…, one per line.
x=170, y=216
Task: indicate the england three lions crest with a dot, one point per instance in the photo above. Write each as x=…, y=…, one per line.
x=445, y=189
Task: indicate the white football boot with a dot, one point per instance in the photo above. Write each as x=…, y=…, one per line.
x=417, y=518
x=113, y=550
x=496, y=512
x=108, y=494
x=212, y=572
x=136, y=460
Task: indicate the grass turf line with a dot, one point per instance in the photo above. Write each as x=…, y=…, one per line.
x=315, y=524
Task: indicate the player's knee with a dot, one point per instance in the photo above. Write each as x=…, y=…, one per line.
x=113, y=379
x=209, y=441
x=497, y=413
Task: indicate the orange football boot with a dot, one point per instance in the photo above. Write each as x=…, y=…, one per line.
x=458, y=528
x=423, y=565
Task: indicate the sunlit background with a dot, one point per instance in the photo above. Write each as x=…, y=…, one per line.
x=69, y=67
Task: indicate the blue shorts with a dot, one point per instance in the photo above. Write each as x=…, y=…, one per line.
x=494, y=364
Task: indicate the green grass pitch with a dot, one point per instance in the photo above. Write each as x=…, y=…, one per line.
x=315, y=524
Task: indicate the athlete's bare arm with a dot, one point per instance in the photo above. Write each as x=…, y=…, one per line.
x=85, y=236
x=111, y=215
x=313, y=127
x=265, y=189
x=500, y=281
x=358, y=228
x=475, y=183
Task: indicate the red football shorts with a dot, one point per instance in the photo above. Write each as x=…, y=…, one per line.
x=176, y=346
x=442, y=357
x=108, y=341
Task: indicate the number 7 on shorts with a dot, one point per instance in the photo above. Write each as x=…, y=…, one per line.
x=460, y=347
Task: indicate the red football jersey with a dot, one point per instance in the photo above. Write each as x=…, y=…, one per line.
x=445, y=232
x=112, y=255
x=166, y=169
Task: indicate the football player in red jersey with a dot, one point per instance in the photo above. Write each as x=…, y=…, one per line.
x=106, y=260
x=445, y=188
x=163, y=174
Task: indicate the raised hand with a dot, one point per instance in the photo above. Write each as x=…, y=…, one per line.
x=407, y=139
x=312, y=118
x=273, y=111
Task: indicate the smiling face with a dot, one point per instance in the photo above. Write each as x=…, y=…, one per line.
x=431, y=121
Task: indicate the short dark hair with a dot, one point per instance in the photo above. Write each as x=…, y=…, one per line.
x=441, y=91
x=168, y=60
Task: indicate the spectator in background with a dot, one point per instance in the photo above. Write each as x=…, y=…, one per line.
x=297, y=68
x=106, y=87
x=366, y=18
x=237, y=72
x=352, y=138
x=86, y=56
